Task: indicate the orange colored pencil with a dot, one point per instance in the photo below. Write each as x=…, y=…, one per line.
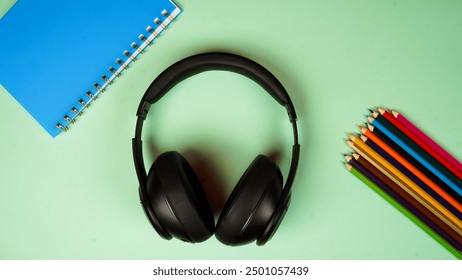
x=405, y=183
x=370, y=135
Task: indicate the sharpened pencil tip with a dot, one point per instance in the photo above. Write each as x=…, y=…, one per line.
x=349, y=143
x=351, y=136
x=381, y=110
x=394, y=113
x=348, y=166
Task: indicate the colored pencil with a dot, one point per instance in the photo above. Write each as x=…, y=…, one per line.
x=418, y=149
x=405, y=183
x=405, y=211
x=419, y=141
x=415, y=163
x=411, y=176
x=386, y=184
x=370, y=135
x=415, y=147
x=454, y=184
x=430, y=145
x=412, y=172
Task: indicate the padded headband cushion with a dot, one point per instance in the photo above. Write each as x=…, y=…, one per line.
x=214, y=61
x=178, y=199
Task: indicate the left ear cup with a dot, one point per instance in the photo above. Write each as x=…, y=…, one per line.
x=178, y=200
x=251, y=204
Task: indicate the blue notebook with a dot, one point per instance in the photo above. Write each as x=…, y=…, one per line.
x=58, y=56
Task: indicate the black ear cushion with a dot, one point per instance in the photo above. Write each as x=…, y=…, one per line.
x=178, y=200
x=251, y=204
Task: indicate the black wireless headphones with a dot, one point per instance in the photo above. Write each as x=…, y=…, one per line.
x=171, y=194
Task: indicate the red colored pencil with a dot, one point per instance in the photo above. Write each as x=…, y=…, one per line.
x=425, y=142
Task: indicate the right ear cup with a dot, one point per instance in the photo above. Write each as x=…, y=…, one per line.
x=178, y=200
x=251, y=204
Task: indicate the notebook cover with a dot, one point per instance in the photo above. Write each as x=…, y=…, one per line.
x=55, y=53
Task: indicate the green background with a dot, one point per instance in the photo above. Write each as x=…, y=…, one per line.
x=75, y=197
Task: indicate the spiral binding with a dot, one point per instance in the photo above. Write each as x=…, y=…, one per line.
x=122, y=64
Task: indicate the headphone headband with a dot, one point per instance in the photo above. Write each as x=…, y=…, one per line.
x=199, y=63
x=196, y=64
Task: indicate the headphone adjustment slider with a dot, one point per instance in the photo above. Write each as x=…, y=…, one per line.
x=291, y=114
x=144, y=110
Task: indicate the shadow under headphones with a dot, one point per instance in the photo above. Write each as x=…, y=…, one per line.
x=171, y=194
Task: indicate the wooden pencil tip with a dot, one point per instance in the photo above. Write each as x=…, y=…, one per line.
x=348, y=166
x=364, y=138
x=356, y=156
x=348, y=158
x=351, y=136
x=370, y=119
x=371, y=127
x=349, y=143
x=381, y=110
x=375, y=114
x=394, y=113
